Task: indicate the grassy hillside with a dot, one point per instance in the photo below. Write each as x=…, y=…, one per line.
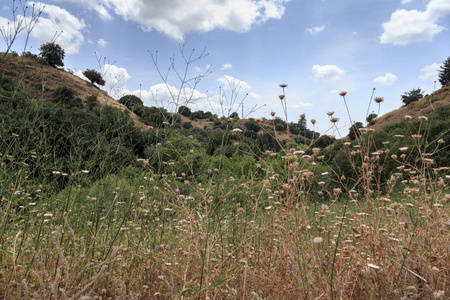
x=423, y=107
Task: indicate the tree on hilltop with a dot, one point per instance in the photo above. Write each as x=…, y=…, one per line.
x=53, y=54
x=444, y=73
x=94, y=77
x=412, y=96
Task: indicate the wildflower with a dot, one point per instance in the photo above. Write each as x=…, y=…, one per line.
x=143, y=161
x=165, y=123
x=268, y=208
x=281, y=97
x=334, y=120
x=423, y=118
x=283, y=85
x=298, y=153
x=379, y=99
x=48, y=215
x=84, y=171
x=441, y=141
x=343, y=93
x=272, y=113
x=416, y=136
x=302, y=116
x=324, y=174
x=317, y=240
x=407, y=118
x=330, y=113
x=313, y=121
x=347, y=144
x=236, y=130
x=403, y=149
x=150, y=127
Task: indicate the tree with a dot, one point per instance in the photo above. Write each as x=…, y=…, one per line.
x=94, y=77
x=130, y=101
x=53, y=54
x=371, y=118
x=354, y=131
x=444, y=73
x=184, y=111
x=412, y=96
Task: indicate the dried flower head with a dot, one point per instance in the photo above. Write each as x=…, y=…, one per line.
x=423, y=118
x=283, y=85
x=330, y=113
x=379, y=99
x=236, y=131
x=407, y=118
x=334, y=120
x=416, y=136
x=343, y=93
x=302, y=116
x=313, y=121
x=272, y=114
x=281, y=97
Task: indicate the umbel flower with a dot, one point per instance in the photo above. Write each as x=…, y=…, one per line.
x=379, y=99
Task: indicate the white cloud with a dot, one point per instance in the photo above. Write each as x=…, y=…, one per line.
x=430, y=72
x=327, y=72
x=406, y=1
x=102, y=43
x=387, y=79
x=410, y=26
x=229, y=82
x=303, y=105
x=175, y=18
x=226, y=66
x=57, y=20
x=315, y=30
x=98, y=6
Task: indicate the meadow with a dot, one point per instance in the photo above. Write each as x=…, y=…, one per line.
x=94, y=207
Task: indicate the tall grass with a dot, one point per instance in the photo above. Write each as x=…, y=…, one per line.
x=292, y=227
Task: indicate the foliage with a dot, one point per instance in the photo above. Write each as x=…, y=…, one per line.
x=53, y=54
x=371, y=118
x=184, y=111
x=353, y=131
x=444, y=73
x=94, y=77
x=412, y=96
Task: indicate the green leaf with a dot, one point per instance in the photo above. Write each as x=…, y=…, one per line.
x=218, y=282
x=410, y=288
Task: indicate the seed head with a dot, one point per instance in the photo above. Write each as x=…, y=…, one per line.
x=313, y=121
x=334, y=120
x=330, y=113
x=281, y=97
x=407, y=118
x=423, y=118
x=343, y=93
x=272, y=114
x=283, y=85
x=379, y=99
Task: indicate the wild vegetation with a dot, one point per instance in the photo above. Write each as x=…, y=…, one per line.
x=93, y=206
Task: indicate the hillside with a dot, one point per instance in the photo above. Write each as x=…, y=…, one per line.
x=420, y=108
x=41, y=80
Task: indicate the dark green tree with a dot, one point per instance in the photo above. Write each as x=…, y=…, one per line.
x=354, y=131
x=131, y=101
x=94, y=77
x=184, y=111
x=53, y=54
x=444, y=73
x=412, y=96
x=371, y=118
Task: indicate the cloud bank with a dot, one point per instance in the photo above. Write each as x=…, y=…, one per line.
x=413, y=26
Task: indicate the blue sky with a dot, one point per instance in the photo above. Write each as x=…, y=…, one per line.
x=317, y=47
